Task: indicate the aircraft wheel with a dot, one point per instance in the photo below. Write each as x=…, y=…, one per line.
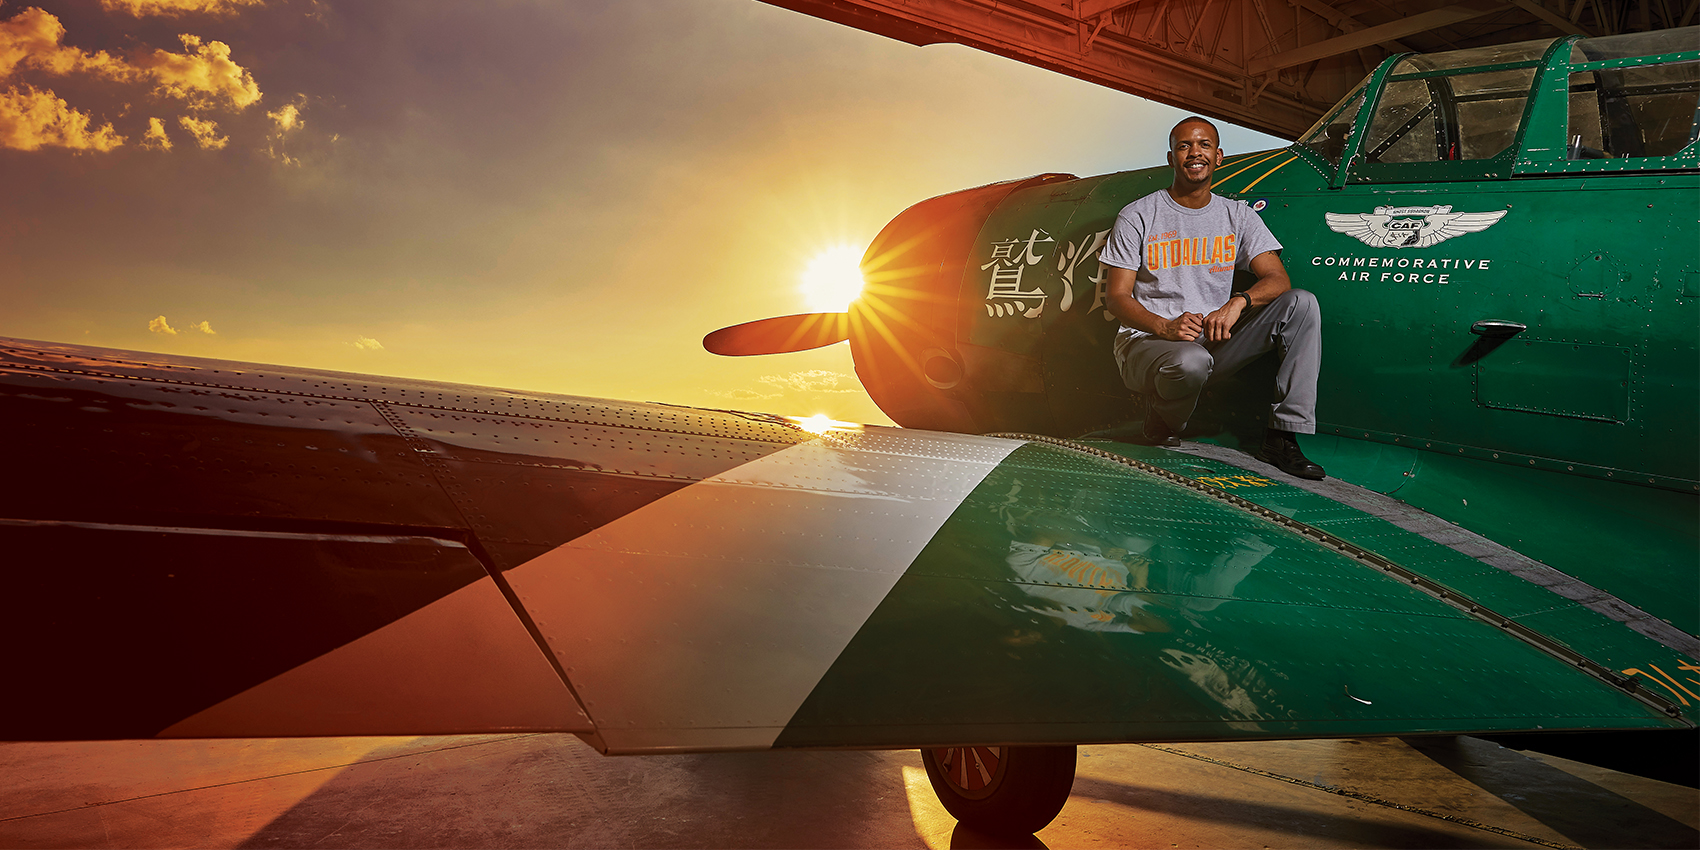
x=1002, y=789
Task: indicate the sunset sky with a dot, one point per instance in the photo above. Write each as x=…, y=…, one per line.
x=560, y=196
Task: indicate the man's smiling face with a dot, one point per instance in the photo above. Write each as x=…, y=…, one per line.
x=1194, y=153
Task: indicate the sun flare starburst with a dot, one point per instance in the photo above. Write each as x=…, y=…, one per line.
x=832, y=279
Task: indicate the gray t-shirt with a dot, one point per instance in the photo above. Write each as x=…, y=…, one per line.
x=1186, y=258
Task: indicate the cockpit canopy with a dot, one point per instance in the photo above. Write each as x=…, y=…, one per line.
x=1616, y=103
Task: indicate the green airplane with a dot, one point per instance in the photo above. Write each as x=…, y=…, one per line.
x=1503, y=242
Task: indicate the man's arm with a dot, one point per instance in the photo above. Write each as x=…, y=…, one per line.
x=1122, y=305
x=1271, y=282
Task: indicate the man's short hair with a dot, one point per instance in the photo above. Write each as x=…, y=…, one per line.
x=1194, y=119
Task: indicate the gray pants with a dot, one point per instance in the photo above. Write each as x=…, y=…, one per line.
x=1172, y=374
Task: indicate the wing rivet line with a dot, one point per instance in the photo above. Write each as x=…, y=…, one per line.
x=1447, y=595
x=327, y=395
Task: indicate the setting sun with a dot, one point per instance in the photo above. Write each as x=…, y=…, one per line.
x=820, y=423
x=832, y=279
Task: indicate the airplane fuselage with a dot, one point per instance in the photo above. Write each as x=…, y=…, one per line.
x=1512, y=315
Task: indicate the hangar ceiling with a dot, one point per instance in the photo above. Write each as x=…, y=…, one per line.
x=1272, y=65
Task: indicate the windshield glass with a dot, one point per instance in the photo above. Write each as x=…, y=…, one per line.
x=1404, y=125
x=1523, y=51
x=1327, y=137
x=1458, y=117
x=1634, y=112
x=1489, y=110
x=1635, y=44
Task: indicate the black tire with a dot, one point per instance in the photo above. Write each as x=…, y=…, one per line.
x=1002, y=789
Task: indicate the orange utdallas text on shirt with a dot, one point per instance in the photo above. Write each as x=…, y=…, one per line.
x=1197, y=251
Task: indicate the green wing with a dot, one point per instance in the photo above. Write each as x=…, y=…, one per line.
x=1075, y=598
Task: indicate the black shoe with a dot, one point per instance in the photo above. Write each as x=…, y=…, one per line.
x=1283, y=454
x=1156, y=433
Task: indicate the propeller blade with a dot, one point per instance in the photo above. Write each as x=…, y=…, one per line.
x=779, y=334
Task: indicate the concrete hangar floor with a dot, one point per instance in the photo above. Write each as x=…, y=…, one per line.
x=554, y=791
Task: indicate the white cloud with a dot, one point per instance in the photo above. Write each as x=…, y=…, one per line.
x=159, y=326
x=203, y=327
x=813, y=381
x=366, y=343
x=743, y=395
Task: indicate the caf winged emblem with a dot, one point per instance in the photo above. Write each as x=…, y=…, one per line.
x=1390, y=227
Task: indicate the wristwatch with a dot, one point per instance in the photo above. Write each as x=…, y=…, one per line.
x=1242, y=294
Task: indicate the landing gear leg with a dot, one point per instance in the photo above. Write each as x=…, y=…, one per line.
x=1002, y=789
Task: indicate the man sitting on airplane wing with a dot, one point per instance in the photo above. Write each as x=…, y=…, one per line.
x=1172, y=257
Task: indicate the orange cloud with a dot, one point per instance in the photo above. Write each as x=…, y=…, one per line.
x=287, y=117
x=204, y=327
x=159, y=326
x=32, y=119
x=155, y=138
x=366, y=343
x=202, y=76
x=175, y=8
x=33, y=38
x=205, y=132
x=31, y=35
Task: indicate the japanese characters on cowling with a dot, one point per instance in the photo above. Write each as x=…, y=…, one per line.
x=1009, y=293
